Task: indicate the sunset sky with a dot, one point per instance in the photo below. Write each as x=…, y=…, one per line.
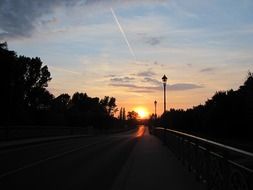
x=123, y=48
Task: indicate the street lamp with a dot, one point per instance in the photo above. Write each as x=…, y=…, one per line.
x=164, y=91
x=155, y=102
x=164, y=108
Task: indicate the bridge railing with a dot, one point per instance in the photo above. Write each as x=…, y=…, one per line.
x=220, y=166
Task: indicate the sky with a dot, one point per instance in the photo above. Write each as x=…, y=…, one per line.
x=123, y=48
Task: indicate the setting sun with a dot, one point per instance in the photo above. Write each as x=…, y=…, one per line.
x=142, y=112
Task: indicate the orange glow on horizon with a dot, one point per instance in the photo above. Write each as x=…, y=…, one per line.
x=142, y=112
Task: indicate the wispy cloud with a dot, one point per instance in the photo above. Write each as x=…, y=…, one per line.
x=152, y=81
x=158, y=64
x=153, y=41
x=183, y=86
x=59, y=69
x=150, y=85
x=146, y=73
x=122, y=79
x=208, y=69
x=109, y=76
x=133, y=87
x=123, y=34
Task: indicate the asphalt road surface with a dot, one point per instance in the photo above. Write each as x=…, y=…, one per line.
x=81, y=163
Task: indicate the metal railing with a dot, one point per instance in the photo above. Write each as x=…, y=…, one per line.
x=220, y=166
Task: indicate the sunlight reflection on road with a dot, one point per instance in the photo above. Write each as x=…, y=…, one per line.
x=140, y=131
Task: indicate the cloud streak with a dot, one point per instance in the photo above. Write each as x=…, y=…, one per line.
x=150, y=85
x=58, y=69
x=123, y=79
x=208, y=69
x=136, y=88
x=153, y=41
x=123, y=34
x=183, y=86
x=146, y=73
x=150, y=89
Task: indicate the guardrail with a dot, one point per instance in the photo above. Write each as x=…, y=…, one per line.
x=220, y=166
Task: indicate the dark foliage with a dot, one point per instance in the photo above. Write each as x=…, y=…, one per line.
x=227, y=114
x=23, y=86
x=27, y=101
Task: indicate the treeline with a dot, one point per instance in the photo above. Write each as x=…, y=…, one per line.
x=25, y=99
x=228, y=114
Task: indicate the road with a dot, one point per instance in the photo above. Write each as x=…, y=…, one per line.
x=81, y=163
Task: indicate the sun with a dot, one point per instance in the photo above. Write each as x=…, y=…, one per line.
x=142, y=112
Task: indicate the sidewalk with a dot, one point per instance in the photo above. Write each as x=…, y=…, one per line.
x=153, y=166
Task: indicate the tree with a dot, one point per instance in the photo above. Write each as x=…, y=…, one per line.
x=32, y=80
x=8, y=64
x=124, y=114
x=60, y=103
x=132, y=115
x=120, y=114
x=24, y=84
x=109, y=104
x=79, y=100
x=4, y=46
x=25, y=98
x=227, y=114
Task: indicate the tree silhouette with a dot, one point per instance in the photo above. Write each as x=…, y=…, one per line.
x=8, y=63
x=25, y=99
x=121, y=114
x=24, y=85
x=109, y=104
x=124, y=114
x=228, y=114
x=132, y=115
x=61, y=103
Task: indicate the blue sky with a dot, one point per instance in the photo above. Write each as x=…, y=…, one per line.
x=202, y=46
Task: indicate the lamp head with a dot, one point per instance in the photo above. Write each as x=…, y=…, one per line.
x=164, y=79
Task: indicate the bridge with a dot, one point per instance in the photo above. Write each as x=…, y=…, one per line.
x=217, y=165
x=136, y=159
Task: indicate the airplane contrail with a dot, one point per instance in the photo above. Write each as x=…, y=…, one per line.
x=123, y=34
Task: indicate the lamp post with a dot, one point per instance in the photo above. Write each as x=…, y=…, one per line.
x=155, y=102
x=164, y=92
x=164, y=79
